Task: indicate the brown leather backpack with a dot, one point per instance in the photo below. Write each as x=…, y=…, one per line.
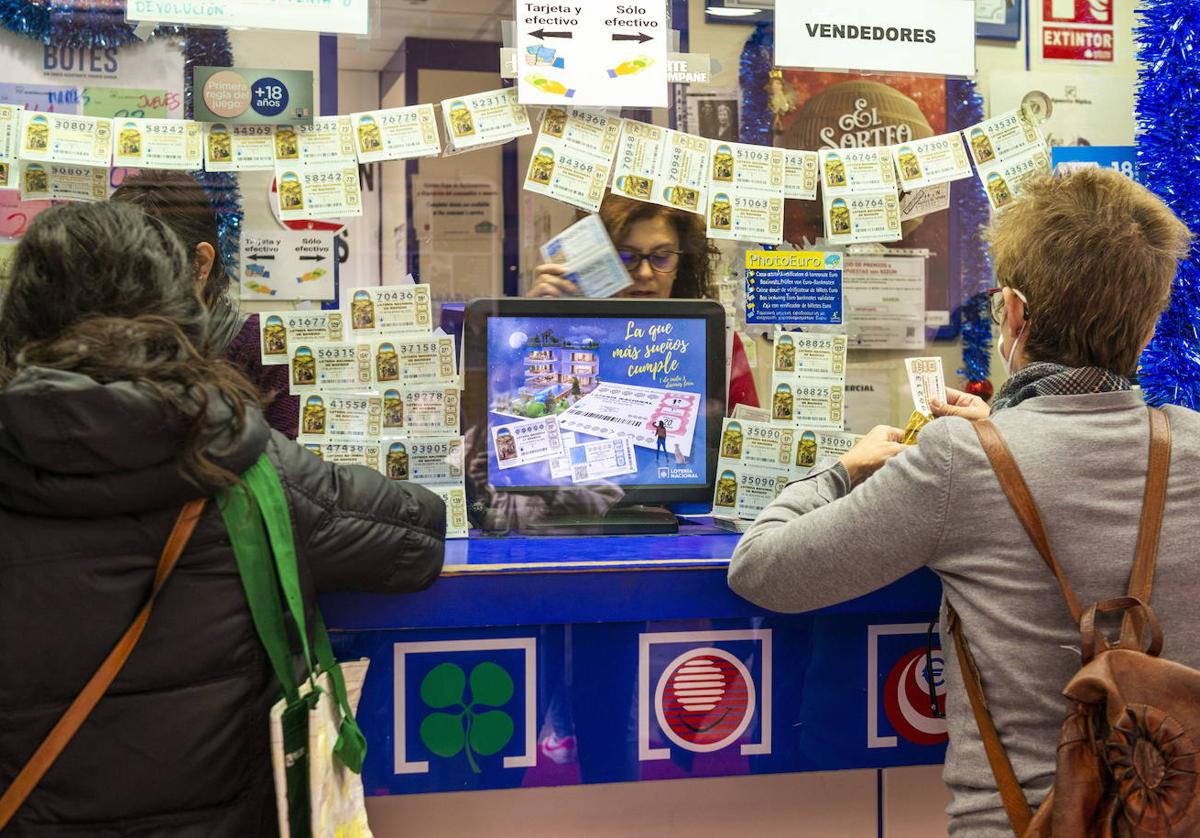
x=1127, y=762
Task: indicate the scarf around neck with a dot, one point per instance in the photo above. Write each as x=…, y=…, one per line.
x=1043, y=378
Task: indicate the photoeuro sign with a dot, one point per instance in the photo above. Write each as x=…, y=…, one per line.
x=914, y=36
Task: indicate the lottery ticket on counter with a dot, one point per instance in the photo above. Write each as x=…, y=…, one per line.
x=413, y=361
x=396, y=133
x=66, y=138
x=238, y=148
x=756, y=444
x=528, y=441
x=158, y=144
x=484, y=119
x=340, y=365
x=426, y=461
x=800, y=175
x=10, y=144
x=588, y=253
x=745, y=192
x=863, y=217
x=813, y=404
x=1002, y=137
x=817, y=449
x=279, y=330
x=572, y=158
x=846, y=171
x=455, y=498
x=661, y=166
x=432, y=409
x=330, y=416
x=328, y=139
x=807, y=355
x=318, y=190
x=602, y=459
x=934, y=160
x=743, y=491
x=751, y=414
x=347, y=453
x=1005, y=180
x=62, y=182
x=618, y=410
x=927, y=382
x=391, y=310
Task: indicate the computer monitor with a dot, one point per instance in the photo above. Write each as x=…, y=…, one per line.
x=604, y=410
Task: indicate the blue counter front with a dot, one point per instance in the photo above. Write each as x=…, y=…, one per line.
x=557, y=661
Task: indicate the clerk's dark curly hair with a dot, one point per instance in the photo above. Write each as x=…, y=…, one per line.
x=693, y=280
x=108, y=291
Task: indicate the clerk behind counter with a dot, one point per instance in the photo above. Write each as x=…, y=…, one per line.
x=668, y=256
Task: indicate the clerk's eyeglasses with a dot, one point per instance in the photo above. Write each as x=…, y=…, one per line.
x=996, y=302
x=663, y=261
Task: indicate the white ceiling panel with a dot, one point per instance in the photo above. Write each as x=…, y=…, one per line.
x=459, y=20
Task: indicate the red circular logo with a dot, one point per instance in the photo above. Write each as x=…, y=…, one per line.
x=906, y=698
x=705, y=699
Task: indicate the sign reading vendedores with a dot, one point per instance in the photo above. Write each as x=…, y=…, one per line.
x=912, y=36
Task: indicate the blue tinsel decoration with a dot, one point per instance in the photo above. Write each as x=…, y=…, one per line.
x=755, y=66
x=1168, y=116
x=88, y=23
x=965, y=108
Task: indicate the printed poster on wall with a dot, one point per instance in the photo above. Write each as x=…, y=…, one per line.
x=1078, y=31
x=1076, y=108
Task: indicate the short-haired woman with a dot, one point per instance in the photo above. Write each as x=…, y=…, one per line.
x=1085, y=264
x=114, y=412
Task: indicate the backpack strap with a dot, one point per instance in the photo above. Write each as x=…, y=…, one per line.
x=1011, y=795
x=1017, y=492
x=1141, y=579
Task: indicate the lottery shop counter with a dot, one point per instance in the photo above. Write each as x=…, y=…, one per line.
x=545, y=661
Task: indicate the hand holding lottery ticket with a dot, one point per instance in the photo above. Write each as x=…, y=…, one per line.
x=927, y=382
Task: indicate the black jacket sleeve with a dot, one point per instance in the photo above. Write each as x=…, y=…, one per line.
x=356, y=529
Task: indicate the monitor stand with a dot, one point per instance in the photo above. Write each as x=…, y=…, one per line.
x=620, y=520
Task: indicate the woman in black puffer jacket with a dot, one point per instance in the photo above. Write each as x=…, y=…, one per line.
x=113, y=414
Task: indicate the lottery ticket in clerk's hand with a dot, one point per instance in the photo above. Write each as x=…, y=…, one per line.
x=612, y=411
x=588, y=253
x=520, y=443
x=927, y=382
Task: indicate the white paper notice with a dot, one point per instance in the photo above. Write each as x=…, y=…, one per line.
x=484, y=119
x=573, y=156
x=396, y=133
x=885, y=301
x=238, y=148
x=587, y=252
x=158, y=144
x=616, y=410
x=524, y=442
x=661, y=166
x=66, y=138
x=597, y=53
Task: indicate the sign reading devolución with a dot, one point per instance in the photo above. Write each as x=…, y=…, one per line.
x=350, y=17
x=919, y=36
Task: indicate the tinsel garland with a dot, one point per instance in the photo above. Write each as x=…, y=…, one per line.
x=971, y=214
x=101, y=23
x=755, y=67
x=1168, y=122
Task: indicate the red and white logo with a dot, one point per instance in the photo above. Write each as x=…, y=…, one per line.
x=704, y=700
x=906, y=698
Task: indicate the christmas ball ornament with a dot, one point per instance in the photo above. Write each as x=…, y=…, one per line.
x=983, y=389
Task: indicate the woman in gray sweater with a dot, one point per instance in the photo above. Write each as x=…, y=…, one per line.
x=1085, y=264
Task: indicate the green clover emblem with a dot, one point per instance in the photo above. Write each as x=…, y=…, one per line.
x=483, y=732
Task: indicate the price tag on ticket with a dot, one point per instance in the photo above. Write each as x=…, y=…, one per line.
x=817, y=449
x=411, y=361
x=863, y=217
x=432, y=409
x=347, y=453
x=529, y=441
x=618, y=410
x=743, y=491
x=1002, y=137
x=62, y=182
x=329, y=416
x=329, y=139
x=756, y=444
x=391, y=310
x=158, y=144
x=813, y=404
x=396, y=133
x=1005, y=180
x=800, y=175
x=455, y=498
x=809, y=356
x=238, y=148
x=66, y=138
x=572, y=158
x=425, y=460
x=10, y=144
x=483, y=119
x=278, y=331
x=927, y=382
x=337, y=365
x=603, y=459
x=845, y=171
x=318, y=190
x=931, y=161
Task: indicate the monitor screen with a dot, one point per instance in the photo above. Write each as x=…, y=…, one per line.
x=615, y=393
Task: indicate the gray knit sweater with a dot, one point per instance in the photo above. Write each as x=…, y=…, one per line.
x=939, y=505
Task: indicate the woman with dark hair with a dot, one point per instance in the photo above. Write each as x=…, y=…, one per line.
x=668, y=255
x=114, y=413
x=177, y=199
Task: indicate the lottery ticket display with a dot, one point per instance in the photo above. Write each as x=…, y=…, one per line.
x=10, y=143
x=62, y=182
x=808, y=377
x=158, y=144
x=66, y=138
x=238, y=148
x=391, y=310
x=934, y=160
x=396, y=133
x=573, y=156
x=318, y=190
x=484, y=119
x=745, y=192
x=329, y=139
x=575, y=400
x=661, y=166
x=278, y=330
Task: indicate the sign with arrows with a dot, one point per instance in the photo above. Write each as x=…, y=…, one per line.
x=592, y=53
x=288, y=265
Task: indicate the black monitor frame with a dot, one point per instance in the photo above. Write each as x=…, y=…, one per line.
x=475, y=380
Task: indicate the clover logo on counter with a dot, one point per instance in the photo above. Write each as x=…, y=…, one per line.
x=460, y=725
